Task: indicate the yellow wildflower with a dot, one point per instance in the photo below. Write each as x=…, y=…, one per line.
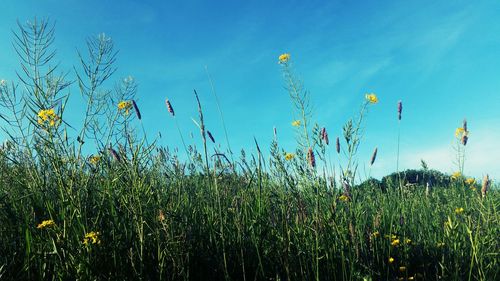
x=296, y=123
x=45, y=224
x=289, y=156
x=376, y=234
x=470, y=181
x=284, y=58
x=459, y=132
x=344, y=198
x=395, y=242
x=456, y=175
x=407, y=241
x=125, y=106
x=391, y=259
x=402, y=268
x=371, y=98
x=92, y=238
x=94, y=159
x=458, y=211
x=48, y=117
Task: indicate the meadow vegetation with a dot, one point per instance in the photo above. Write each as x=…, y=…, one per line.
x=133, y=210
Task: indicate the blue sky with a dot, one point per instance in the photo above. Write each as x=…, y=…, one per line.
x=441, y=58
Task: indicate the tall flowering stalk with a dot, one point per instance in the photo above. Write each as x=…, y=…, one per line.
x=400, y=111
x=353, y=132
x=461, y=138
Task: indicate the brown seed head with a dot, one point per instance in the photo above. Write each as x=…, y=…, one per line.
x=465, y=138
x=486, y=185
x=465, y=125
x=114, y=154
x=337, y=145
x=310, y=158
x=400, y=109
x=210, y=136
x=324, y=136
x=136, y=108
x=374, y=156
x=169, y=107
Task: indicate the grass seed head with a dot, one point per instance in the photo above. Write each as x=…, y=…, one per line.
x=486, y=185
x=337, y=145
x=136, y=109
x=400, y=109
x=169, y=107
x=310, y=158
x=374, y=156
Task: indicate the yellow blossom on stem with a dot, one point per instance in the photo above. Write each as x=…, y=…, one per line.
x=459, y=132
x=344, y=198
x=395, y=242
x=456, y=175
x=458, y=211
x=371, y=98
x=376, y=234
x=289, y=156
x=48, y=117
x=391, y=259
x=125, y=106
x=296, y=123
x=470, y=181
x=91, y=238
x=46, y=223
x=94, y=159
x=407, y=241
x=284, y=58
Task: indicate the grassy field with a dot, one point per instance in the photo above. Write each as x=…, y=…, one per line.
x=136, y=211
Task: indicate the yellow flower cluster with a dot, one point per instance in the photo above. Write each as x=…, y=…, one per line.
x=344, y=198
x=125, y=106
x=284, y=58
x=45, y=224
x=94, y=159
x=48, y=117
x=459, y=132
x=371, y=98
x=458, y=211
x=456, y=175
x=296, y=123
x=91, y=238
x=289, y=156
x=395, y=242
x=470, y=181
x=376, y=234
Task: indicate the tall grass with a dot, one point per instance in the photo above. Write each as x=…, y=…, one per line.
x=133, y=210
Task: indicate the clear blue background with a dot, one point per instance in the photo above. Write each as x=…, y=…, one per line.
x=441, y=58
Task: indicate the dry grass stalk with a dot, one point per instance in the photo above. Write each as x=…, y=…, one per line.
x=310, y=158
x=486, y=185
x=337, y=145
